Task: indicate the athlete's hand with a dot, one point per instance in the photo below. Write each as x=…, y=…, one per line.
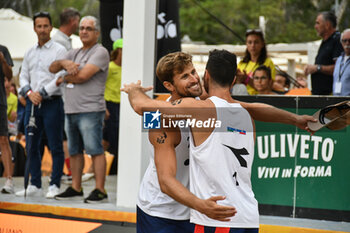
x=128, y=88
x=210, y=208
x=302, y=120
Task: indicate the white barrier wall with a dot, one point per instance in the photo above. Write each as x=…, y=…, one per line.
x=138, y=64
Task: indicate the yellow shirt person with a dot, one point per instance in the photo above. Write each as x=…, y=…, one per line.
x=11, y=106
x=113, y=83
x=249, y=69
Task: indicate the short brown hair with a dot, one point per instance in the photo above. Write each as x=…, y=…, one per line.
x=67, y=14
x=266, y=69
x=171, y=64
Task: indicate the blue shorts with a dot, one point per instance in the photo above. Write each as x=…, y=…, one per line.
x=149, y=224
x=204, y=229
x=84, y=132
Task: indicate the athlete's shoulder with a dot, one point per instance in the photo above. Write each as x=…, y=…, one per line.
x=166, y=136
x=189, y=102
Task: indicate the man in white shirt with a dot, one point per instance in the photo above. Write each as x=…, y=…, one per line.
x=37, y=84
x=69, y=23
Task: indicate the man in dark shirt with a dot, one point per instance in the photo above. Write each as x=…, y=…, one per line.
x=329, y=51
x=5, y=71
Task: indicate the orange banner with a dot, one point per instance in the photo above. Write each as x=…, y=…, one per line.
x=23, y=224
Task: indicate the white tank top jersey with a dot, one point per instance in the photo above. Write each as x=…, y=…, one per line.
x=151, y=199
x=222, y=165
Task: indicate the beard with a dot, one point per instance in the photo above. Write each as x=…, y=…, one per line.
x=188, y=92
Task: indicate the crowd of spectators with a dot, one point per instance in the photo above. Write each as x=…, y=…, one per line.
x=327, y=76
x=61, y=86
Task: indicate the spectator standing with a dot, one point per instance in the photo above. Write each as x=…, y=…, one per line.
x=263, y=81
x=341, y=75
x=330, y=49
x=112, y=97
x=255, y=56
x=6, y=155
x=69, y=23
x=85, y=108
x=37, y=85
x=11, y=108
x=11, y=102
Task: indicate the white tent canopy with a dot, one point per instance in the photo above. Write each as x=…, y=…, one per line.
x=18, y=34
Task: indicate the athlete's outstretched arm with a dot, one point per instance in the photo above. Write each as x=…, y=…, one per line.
x=164, y=143
x=269, y=113
x=140, y=102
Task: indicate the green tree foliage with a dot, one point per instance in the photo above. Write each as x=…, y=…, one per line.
x=54, y=7
x=288, y=21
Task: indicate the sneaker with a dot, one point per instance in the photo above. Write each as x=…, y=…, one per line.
x=8, y=187
x=32, y=191
x=87, y=176
x=70, y=194
x=52, y=191
x=96, y=196
x=66, y=179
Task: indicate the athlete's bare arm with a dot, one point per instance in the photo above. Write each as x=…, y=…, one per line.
x=268, y=113
x=164, y=143
x=139, y=101
x=185, y=108
x=259, y=111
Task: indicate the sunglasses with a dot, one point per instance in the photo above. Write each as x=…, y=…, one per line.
x=345, y=41
x=41, y=14
x=89, y=29
x=253, y=31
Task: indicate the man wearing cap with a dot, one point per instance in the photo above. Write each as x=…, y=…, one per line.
x=112, y=97
x=341, y=75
